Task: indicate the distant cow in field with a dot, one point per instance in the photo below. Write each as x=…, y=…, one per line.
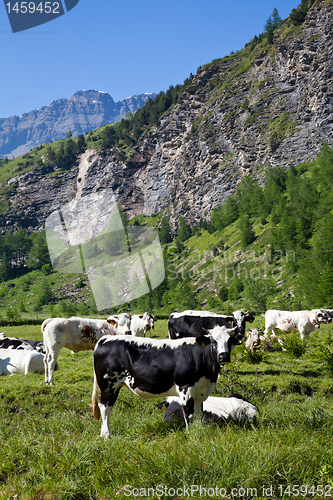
x=77, y=334
x=253, y=339
x=141, y=323
x=195, y=323
x=152, y=368
x=304, y=322
x=215, y=409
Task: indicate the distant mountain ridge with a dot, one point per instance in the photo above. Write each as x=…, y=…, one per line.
x=85, y=110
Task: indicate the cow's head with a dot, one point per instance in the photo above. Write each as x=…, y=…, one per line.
x=329, y=314
x=240, y=317
x=225, y=340
x=146, y=319
x=321, y=316
x=122, y=323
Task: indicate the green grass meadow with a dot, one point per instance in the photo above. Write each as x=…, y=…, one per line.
x=51, y=449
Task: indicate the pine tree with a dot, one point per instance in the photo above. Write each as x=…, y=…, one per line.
x=184, y=230
x=165, y=231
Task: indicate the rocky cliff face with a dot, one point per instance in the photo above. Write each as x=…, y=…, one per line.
x=85, y=110
x=272, y=106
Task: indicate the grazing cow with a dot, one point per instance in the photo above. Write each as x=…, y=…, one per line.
x=253, y=339
x=21, y=361
x=152, y=368
x=121, y=322
x=141, y=323
x=77, y=334
x=215, y=409
x=194, y=323
x=303, y=321
x=17, y=343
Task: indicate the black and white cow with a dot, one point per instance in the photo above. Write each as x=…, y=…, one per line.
x=21, y=356
x=234, y=408
x=141, y=323
x=151, y=368
x=195, y=323
x=17, y=343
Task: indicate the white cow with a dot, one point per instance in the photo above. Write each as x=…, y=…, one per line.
x=215, y=409
x=141, y=323
x=303, y=321
x=21, y=361
x=77, y=334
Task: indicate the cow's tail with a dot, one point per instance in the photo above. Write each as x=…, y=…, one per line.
x=45, y=323
x=94, y=400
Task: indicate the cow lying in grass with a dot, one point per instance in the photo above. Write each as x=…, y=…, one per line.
x=20, y=356
x=21, y=361
x=215, y=409
x=152, y=368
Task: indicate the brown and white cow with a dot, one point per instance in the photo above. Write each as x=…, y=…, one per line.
x=304, y=322
x=77, y=334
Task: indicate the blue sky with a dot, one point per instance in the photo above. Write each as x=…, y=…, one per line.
x=123, y=48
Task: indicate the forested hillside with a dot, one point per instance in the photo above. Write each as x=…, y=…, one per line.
x=268, y=245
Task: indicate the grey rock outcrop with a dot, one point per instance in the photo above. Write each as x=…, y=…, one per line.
x=272, y=106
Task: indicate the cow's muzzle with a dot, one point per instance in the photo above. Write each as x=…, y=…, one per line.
x=224, y=358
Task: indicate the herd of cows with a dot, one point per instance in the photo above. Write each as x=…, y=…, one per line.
x=183, y=368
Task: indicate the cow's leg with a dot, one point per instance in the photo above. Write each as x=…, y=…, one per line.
x=108, y=399
x=49, y=362
x=46, y=368
x=188, y=410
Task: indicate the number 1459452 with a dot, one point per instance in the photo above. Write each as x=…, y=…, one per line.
x=33, y=7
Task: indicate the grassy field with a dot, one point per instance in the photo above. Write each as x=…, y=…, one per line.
x=50, y=445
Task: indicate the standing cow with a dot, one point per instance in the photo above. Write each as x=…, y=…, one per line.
x=77, y=334
x=194, y=323
x=151, y=368
x=303, y=321
x=141, y=323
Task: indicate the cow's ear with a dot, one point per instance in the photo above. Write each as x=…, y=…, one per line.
x=112, y=321
x=203, y=340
